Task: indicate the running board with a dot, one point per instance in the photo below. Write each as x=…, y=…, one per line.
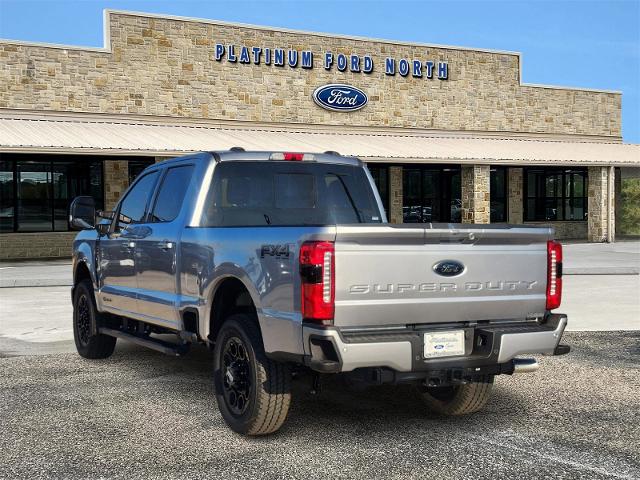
x=161, y=346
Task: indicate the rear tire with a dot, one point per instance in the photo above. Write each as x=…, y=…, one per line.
x=253, y=392
x=459, y=399
x=86, y=314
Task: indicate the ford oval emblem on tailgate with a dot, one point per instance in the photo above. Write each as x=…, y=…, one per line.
x=448, y=268
x=340, y=98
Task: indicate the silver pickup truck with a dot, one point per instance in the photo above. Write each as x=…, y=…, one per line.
x=284, y=264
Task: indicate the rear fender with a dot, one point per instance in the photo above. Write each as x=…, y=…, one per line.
x=222, y=273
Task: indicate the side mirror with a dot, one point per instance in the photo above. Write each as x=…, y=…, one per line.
x=82, y=213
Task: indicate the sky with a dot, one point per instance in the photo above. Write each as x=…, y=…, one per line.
x=577, y=43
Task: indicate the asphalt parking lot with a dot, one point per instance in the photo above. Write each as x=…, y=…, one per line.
x=140, y=414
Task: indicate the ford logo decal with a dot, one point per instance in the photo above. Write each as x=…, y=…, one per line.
x=340, y=98
x=448, y=268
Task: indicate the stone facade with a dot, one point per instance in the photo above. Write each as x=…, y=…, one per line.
x=395, y=195
x=573, y=230
x=601, y=214
x=116, y=181
x=167, y=67
x=515, y=188
x=14, y=246
x=475, y=194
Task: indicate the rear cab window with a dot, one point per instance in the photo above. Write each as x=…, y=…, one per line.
x=171, y=194
x=246, y=193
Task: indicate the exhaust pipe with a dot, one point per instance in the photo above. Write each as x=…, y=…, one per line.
x=525, y=365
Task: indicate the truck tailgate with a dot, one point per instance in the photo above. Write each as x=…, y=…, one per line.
x=386, y=276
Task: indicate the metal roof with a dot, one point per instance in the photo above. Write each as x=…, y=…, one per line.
x=91, y=136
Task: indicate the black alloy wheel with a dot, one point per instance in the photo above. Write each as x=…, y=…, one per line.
x=85, y=314
x=236, y=375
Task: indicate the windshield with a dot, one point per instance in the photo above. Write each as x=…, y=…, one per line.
x=289, y=193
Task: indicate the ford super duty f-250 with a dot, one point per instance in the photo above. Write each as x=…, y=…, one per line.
x=284, y=263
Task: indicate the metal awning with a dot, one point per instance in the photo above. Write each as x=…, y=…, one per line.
x=93, y=135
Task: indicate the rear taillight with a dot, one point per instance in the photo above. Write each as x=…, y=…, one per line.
x=317, y=273
x=554, y=274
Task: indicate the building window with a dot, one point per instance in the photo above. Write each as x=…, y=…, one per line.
x=498, y=189
x=7, y=196
x=380, y=176
x=136, y=167
x=431, y=194
x=36, y=190
x=555, y=194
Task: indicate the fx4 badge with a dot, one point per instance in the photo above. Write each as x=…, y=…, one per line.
x=278, y=251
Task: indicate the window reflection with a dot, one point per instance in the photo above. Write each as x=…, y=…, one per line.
x=498, y=194
x=7, y=203
x=36, y=190
x=34, y=197
x=431, y=194
x=555, y=194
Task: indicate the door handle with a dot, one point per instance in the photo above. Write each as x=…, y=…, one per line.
x=166, y=245
x=130, y=244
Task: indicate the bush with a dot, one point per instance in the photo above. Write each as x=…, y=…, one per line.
x=630, y=207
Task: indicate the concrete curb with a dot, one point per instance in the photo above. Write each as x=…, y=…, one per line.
x=601, y=271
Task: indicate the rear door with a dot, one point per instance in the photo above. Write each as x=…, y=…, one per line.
x=396, y=275
x=117, y=274
x=156, y=249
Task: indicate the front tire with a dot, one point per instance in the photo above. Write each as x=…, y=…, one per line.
x=459, y=399
x=253, y=392
x=84, y=315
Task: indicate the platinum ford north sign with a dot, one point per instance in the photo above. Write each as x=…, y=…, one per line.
x=340, y=98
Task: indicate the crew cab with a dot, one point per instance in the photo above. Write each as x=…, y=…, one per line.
x=284, y=263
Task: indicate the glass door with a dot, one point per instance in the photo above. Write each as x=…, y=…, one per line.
x=431, y=194
x=35, y=213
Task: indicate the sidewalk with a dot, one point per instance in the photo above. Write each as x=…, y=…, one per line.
x=620, y=258
x=36, y=273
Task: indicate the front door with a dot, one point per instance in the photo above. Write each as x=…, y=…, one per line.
x=431, y=194
x=156, y=250
x=116, y=251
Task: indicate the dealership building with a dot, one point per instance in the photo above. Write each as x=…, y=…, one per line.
x=449, y=134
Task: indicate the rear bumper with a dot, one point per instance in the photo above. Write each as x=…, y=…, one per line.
x=334, y=350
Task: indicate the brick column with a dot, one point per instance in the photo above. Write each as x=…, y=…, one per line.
x=395, y=195
x=600, y=204
x=515, y=189
x=475, y=194
x=116, y=181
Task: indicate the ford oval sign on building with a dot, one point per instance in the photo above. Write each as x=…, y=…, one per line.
x=340, y=98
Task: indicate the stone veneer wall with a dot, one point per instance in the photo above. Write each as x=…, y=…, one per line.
x=167, y=67
x=475, y=194
x=116, y=181
x=515, y=194
x=598, y=223
x=573, y=230
x=14, y=246
x=395, y=195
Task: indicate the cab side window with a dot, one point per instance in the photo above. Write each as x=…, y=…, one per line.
x=133, y=207
x=171, y=194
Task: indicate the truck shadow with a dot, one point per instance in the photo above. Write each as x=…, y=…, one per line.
x=338, y=406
